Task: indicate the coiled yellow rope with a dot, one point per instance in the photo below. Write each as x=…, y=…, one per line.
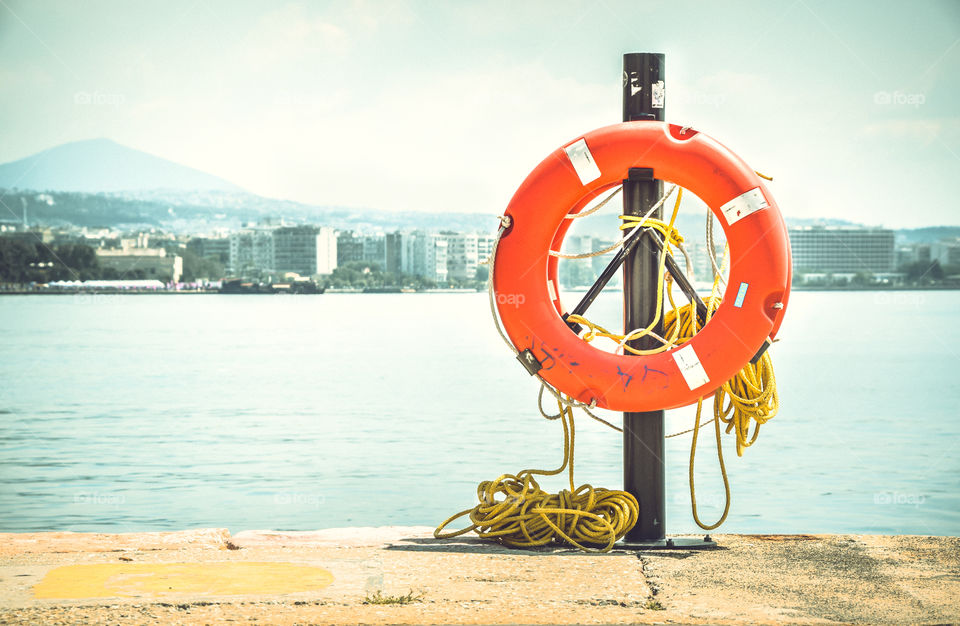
x=516, y=512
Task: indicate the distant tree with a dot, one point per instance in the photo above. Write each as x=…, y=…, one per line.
x=359, y=275
x=483, y=272
x=460, y=282
x=16, y=257
x=862, y=278
x=196, y=267
x=936, y=272
x=75, y=261
x=24, y=261
x=393, y=279
x=363, y=274
x=360, y=266
x=922, y=271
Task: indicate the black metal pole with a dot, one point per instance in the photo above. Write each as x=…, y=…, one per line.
x=643, y=443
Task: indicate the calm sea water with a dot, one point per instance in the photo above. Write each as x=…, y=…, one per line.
x=127, y=413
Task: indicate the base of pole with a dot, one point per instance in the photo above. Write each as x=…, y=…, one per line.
x=670, y=543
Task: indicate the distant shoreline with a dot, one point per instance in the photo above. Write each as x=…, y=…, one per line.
x=877, y=288
x=334, y=292
x=173, y=292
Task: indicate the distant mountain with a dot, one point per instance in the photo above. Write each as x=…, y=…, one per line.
x=102, y=165
x=100, y=183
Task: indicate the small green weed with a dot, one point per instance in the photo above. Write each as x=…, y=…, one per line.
x=378, y=598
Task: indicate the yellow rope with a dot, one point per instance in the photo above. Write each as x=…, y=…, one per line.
x=516, y=512
x=744, y=402
x=671, y=237
x=723, y=472
x=513, y=510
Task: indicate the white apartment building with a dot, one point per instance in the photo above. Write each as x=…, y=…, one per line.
x=462, y=255
x=424, y=254
x=832, y=249
x=251, y=249
x=305, y=250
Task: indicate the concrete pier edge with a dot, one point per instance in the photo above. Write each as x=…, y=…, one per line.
x=748, y=579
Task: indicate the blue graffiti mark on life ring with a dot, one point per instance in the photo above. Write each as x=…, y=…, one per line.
x=546, y=357
x=649, y=370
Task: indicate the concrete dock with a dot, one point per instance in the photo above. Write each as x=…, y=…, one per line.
x=401, y=575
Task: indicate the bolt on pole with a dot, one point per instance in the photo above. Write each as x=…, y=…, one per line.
x=643, y=433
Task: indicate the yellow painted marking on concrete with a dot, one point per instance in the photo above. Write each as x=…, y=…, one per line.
x=133, y=580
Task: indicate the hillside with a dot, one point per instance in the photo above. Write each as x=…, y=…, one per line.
x=928, y=234
x=102, y=165
x=205, y=212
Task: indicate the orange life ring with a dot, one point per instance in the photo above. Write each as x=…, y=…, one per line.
x=525, y=274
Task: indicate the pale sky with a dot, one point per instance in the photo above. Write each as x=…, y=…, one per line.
x=854, y=107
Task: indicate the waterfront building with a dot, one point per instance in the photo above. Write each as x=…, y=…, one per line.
x=699, y=259
x=306, y=250
x=431, y=257
x=946, y=252
x=578, y=244
x=216, y=247
x=913, y=253
x=36, y=236
x=374, y=249
x=406, y=241
x=352, y=246
x=462, y=255
x=423, y=254
x=829, y=249
x=393, y=252
x=349, y=247
x=155, y=263
x=485, y=246
x=326, y=250
x=251, y=250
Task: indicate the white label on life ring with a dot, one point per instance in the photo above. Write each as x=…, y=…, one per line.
x=582, y=161
x=551, y=290
x=741, y=295
x=743, y=205
x=689, y=364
